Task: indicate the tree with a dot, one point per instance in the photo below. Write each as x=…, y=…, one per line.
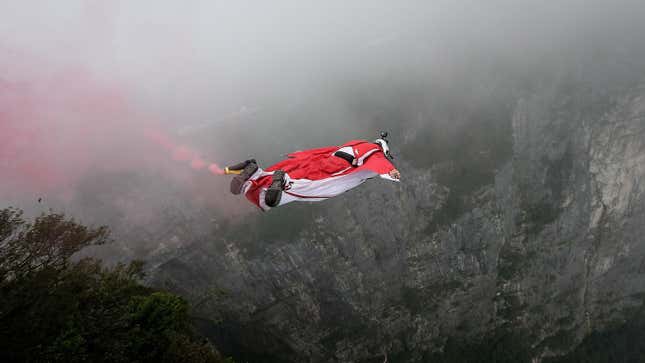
x=56, y=308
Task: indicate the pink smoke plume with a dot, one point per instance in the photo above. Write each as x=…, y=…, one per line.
x=59, y=123
x=181, y=153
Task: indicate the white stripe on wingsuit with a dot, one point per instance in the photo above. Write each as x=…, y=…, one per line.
x=342, y=171
x=347, y=150
x=362, y=158
x=258, y=173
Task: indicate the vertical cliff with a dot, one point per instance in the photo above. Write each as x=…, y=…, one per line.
x=533, y=245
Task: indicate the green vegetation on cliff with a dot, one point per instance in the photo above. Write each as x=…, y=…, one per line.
x=55, y=307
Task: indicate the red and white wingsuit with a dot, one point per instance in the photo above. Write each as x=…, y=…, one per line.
x=318, y=174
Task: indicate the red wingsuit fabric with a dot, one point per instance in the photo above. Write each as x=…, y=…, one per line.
x=316, y=164
x=320, y=163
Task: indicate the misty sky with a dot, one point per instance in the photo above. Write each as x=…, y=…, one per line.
x=101, y=70
x=218, y=56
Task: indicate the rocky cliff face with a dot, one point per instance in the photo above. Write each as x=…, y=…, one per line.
x=541, y=249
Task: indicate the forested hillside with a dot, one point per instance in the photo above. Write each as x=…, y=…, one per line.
x=58, y=308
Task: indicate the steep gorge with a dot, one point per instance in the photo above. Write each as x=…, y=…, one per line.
x=532, y=247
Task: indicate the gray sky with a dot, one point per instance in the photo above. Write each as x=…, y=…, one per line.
x=215, y=55
x=267, y=77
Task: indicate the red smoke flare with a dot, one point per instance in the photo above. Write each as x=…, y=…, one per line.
x=59, y=123
x=181, y=153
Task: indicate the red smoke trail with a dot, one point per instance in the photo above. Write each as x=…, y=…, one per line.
x=59, y=124
x=181, y=152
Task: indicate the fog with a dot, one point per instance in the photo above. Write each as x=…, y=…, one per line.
x=83, y=82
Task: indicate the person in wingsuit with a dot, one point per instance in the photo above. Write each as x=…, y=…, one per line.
x=315, y=174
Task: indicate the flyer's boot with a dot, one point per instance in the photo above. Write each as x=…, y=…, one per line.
x=244, y=171
x=274, y=193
